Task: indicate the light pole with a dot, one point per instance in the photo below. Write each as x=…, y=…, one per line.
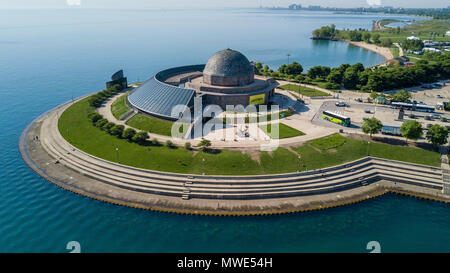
x=117, y=153
x=288, y=55
x=203, y=160
x=298, y=169
x=368, y=147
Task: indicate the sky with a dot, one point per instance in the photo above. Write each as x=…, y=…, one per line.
x=157, y=4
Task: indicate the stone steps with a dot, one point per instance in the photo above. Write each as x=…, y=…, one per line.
x=333, y=179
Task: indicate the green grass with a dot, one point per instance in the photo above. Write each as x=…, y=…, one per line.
x=151, y=124
x=329, y=142
x=78, y=130
x=284, y=131
x=306, y=91
x=336, y=149
x=395, y=51
x=119, y=107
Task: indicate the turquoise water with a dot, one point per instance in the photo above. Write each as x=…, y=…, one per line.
x=48, y=56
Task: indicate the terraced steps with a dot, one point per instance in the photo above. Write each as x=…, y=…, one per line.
x=334, y=179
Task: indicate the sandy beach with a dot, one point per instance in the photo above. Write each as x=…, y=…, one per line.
x=383, y=51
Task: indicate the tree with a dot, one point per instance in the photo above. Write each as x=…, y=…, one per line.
x=155, y=142
x=128, y=133
x=386, y=42
x=366, y=37
x=319, y=71
x=94, y=117
x=107, y=127
x=371, y=126
x=351, y=78
x=437, y=135
x=335, y=76
x=258, y=68
x=355, y=35
x=117, y=130
x=204, y=144
x=376, y=38
x=402, y=96
x=170, y=144
x=293, y=69
x=188, y=146
x=282, y=69
x=101, y=122
x=140, y=137
x=411, y=129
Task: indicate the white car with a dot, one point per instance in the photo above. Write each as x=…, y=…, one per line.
x=341, y=104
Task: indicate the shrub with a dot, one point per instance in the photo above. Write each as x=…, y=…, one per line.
x=140, y=137
x=204, y=144
x=170, y=144
x=155, y=142
x=128, y=133
x=94, y=117
x=188, y=146
x=117, y=130
x=101, y=122
x=107, y=127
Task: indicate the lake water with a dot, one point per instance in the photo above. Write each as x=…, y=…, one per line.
x=48, y=56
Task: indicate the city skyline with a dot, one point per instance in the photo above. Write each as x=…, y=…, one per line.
x=167, y=4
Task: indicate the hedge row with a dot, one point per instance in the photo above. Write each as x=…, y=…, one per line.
x=117, y=130
x=98, y=99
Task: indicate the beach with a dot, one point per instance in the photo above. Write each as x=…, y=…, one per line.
x=383, y=51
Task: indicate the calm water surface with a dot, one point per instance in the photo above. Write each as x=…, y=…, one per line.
x=48, y=56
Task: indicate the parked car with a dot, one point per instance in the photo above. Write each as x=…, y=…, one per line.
x=368, y=111
x=437, y=85
x=341, y=104
x=439, y=97
x=427, y=86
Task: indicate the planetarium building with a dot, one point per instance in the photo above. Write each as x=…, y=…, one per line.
x=228, y=78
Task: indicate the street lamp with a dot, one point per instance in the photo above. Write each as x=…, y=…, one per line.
x=203, y=160
x=117, y=153
x=298, y=169
x=288, y=55
x=368, y=147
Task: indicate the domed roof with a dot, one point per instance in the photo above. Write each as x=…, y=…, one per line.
x=228, y=63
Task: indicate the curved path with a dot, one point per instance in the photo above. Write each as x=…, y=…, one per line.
x=59, y=162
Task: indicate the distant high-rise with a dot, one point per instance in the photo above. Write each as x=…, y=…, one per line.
x=295, y=6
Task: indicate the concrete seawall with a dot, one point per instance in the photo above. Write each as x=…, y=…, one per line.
x=62, y=164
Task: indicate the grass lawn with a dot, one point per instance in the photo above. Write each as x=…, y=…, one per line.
x=336, y=149
x=306, y=91
x=329, y=142
x=285, y=131
x=78, y=130
x=151, y=124
x=395, y=51
x=119, y=107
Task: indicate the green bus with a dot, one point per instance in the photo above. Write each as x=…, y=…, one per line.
x=336, y=118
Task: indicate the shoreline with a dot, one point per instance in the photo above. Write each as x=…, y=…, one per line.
x=385, y=52
x=60, y=171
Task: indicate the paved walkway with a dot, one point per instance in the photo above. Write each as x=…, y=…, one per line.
x=56, y=160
